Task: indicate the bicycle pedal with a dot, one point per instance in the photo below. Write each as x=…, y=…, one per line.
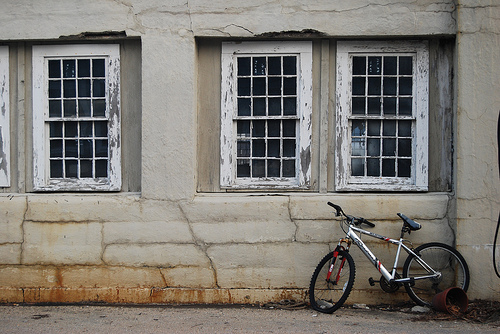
x=372, y=281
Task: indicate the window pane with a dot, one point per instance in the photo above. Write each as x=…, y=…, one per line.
x=358, y=147
x=289, y=128
x=259, y=129
x=274, y=107
x=101, y=148
x=99, y=89
x=69, y=68
x=358, y=65
x=101, y=168
x=54, y=68
x=389, y=86
x=373, y=147
x=288, y=147
x=290, y=86
x=243, y=66
x=86, y=129
x=390, y=65
x=86, y=168
x=405, y=106
x=243, y=128
x=98, y=68
x=404, y=148
x=243, y=86
x=389, y=128
x=259, y=86
x=405, y=86
x=358, y=128
x=290, y=65
x=358, y=105
x=56, y=169
x=358, y=86
x=99, y=108
x=55, y=108
x=274, y=64
x=273, y=128
x=373, y=167
x=83, y=68
x=374, y=86
x=71, y=168
x=243, y=168
x=388, y=147
x=70, y=108
x=404, y=128
x=84, y=108
x=373, y=128
x=290, y=106
x=389, y=106
x=289, y=168
x=84, y=88
x=243, y=107
x=70, y=129
x=258, y=148
x=357, y=167
x=56, y=130
x=374, y=105
x=258, y=168
x=71, y=148
x=388, y=167
x=273, y=148
x=86, y=149
x=69, y=87
x=101, y=129
x=374, y=65
x=259, y=106
x=274, y=87
x=56, y=148
x=54, y=89
x=243, y=148
x=273, y=168
x=404, y=167
x=259, y=65
x=405, y=65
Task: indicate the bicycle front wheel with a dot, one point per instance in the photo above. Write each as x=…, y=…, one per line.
x=445, y=260
x=329, y=289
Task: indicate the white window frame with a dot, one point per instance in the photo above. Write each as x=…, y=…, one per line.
x=303, y=50
x=4, y=118
x=419, y=169
x=41, y=177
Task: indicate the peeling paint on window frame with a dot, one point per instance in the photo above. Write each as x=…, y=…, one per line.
x=4, y=118
x=419, y=173
x=303, y=50
x=41, y=178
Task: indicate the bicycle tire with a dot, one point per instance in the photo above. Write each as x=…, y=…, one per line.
x=442, y=258
x=327, y=296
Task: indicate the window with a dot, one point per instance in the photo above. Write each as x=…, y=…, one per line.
x=382, y=116
x=76, y=117
x=4, y=118
x=266, y=114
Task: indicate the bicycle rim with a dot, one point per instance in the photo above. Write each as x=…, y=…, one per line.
x=442, y=258
x=327, y=295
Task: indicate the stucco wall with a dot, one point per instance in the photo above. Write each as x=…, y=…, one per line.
x=163, y=241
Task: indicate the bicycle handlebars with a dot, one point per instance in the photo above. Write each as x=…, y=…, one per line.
x=356, y=220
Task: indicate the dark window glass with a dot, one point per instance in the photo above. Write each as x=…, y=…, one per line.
x=404, y=167
x=84, y=108
x=71, y=148
x=69, y=68
x=373, y=128
x=273, y=148
x=98, y=68
x=358, y=86
x=289, y=128
x=259, y=86
x=274, y=87
x=244, y=107
x=259, y=129
x=101, y=168
x=374, y=86
x=243, y=168
x=56, y=169
x=273, y=168
x=86, y=129
x=86, y=149
x=390, y=65
x=243, y=86
x=273, y=128
x=243, y=66
x=405, y=65
x=69, y=108
x=290, y=106
x=357, y=167
x=374, y=65
x=274, y=64
x=405, y=106
x=54, y=88
x=71, y=129
x=243, y=148
x=101, y=129
x=374, y=105
x=69, y=87
x=84, y=88
x=259, y=106
x=388, y=167
x=289, y=147
x=358, y=65
x=99, y=108
x=389, y=147
x=71, y=168
x=259, y=65
x=389, y=106
x=56, y=130
x=288, y=168
x=390, y=86
x=55, y=108
x=274, y=107
x=243, y=128
x=54, y=68
x=99, y=88
x=101, y=148
x=405, y=86
x=404, y=147
x=290, y=65
x=290, y=86
x=389, y=128
x=258, y=148
x=86, y=168
x=358, y=105
x=373, y=147
x=83, y=68
x=373, y=167
x=56, y=148
x=258, y=168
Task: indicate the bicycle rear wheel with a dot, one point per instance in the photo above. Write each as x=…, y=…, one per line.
x=442, y=258
x=328, y=292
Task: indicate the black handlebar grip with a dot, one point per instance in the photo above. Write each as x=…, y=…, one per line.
x=336, y=207
x=368, y=223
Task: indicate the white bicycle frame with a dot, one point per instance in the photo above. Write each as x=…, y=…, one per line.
x=390, y=277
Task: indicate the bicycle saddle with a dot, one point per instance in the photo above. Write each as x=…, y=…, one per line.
x=411, y=224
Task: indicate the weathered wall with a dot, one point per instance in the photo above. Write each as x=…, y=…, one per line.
x=162, y=241
x=478, y=108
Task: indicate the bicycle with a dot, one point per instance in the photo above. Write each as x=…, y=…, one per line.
x=428, y=269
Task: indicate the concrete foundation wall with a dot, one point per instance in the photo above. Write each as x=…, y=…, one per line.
x=162, y=240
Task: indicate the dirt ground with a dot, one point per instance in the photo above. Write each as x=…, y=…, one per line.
x=272, y=318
